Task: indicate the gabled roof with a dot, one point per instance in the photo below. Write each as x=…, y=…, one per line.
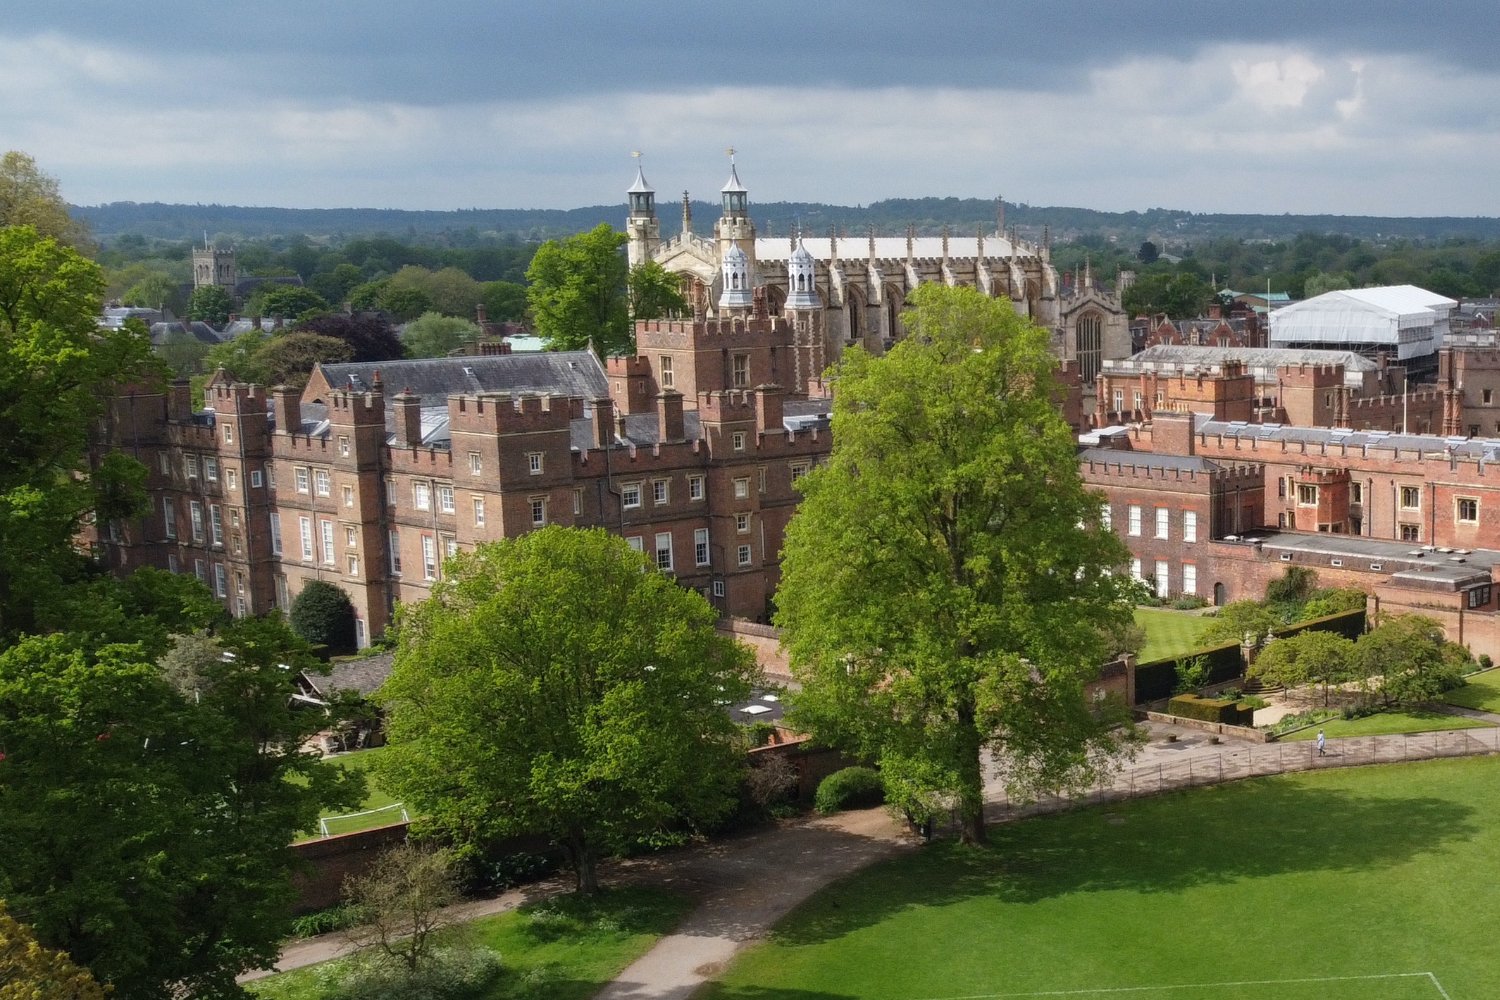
x=560, y=373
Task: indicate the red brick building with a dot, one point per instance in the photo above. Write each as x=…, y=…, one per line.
x=374, y=473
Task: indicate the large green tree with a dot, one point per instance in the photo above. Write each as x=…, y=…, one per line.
x=145, y=823
x=29, y=197
x=655, y=292
x=947, y=587
x=1408, y=660
x=211, y=304
x=433, y=335
x=558, y=684
x=578, y=292
x=1309, y=657
x=57, y=370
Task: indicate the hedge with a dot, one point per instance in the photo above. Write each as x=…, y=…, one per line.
x=1349, y=624
x=851, y=788
x=1224, y=710
x=1158, y=679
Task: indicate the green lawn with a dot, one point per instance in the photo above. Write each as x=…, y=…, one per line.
x=1169, y=633
x=1415, y=721
x=1482, y=692
x=561, y=949
x=1327, y=875
x=375, y=797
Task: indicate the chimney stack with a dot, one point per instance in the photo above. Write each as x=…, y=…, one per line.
x=669, y=416
x=604, y=420
x=286, y=409
x=408, y=413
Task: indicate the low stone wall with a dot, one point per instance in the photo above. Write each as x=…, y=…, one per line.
x=813, y=763
x=1219, y=728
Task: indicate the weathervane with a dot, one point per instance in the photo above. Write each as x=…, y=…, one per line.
x=730, y=151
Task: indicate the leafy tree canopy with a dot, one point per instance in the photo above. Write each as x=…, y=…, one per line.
x=57, y=370
x=1309, y=657
x=323, y=615
x=29, y=971
x=939, y=599
x=503, y=300
x=577, y=293
x=147, y=824
x=293, y=302
x=558, y=684
x=433, y=335
x=211, y=304
x=655, y=292
x=29, y=197
x=370, y=337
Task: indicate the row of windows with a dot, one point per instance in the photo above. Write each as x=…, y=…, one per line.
x=1162, y=578
x=701, y=555
x=1163, y=522
x=211, y=471
x=535, y=463
x=1465, y=509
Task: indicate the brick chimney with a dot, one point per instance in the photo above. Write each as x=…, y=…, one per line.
x=1172, y=433
x=604, y=423
x=408, y=413
x=286, y=408
x=669, y=416
x=768, y=399
x=180, y=401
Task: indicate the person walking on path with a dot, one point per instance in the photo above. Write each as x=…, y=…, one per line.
x=1322, y=744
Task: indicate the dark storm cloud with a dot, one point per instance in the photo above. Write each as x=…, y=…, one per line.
x=471, y=51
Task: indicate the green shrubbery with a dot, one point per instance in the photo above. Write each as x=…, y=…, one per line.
x=323, y=615
x=448, y=974
x=1222, y=710
x=851, y=788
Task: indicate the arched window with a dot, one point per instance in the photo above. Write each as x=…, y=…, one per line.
x=1088, y=345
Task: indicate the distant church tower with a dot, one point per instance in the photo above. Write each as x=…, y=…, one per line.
x=641, y=226
x=212, y=266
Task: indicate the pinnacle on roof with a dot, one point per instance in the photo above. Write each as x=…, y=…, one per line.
x=733, y=185
x=640, y=186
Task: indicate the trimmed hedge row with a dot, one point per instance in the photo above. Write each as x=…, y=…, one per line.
x=851, y=788
x=1158, y=679
x=1222, y=710
x=1349, y=624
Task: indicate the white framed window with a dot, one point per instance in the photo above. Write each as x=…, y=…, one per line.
x=664, y=550
x=274, y=521
x=533, y=463
x=737, y=440
x=1163, y=522
x=760, y=479
x=348, y=493
x=164, y=463
x=1189, y=527
x=476, y=464
x=1189, y=579
x=429, y=557
x=229, y=433
x=169, y=517
x=390, y=492
x=479, y=512
x=1307, y=495
x=395, y=543
x=450, y=546
x=211, y=469
x=661, y=490
x=578, y=501
x=195, y=519
x=741, y=371
x=421, y=495
x=361, y=635
x=299, y=479
x=304, y=534
x=200, y=570
x=343, y=446
x=1135, y=570
x=221, y=581
x=351, y=537
x=1163, y=579
x=322, y=485
x=630, y=495
x=192, y=466
x=445, y=499
x=257, y=479
x=538, y=511
x=718, y=588
x=743, y=553
x=231, y=480
x=742, y=523
x=700, y=546
x=742, y=489
x=664, y=369
x=216, y=524
x=1135, y=520
x=636, y=543
x=352, y=564
x=325, y=535
x=1465, y=508
x=695, y=487
x=799, y=469
x=174, y=565
x=283, y=599
x=270, y=477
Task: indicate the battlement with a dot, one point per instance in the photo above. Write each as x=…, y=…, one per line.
x=351, y=406
x=1421, y=397
x=720, y=331
x=1315, y=376
x=1321, y=476
x=235, y=397
x=1139, y=465
x=726, y=405
x=636, y=365
x=504, y=413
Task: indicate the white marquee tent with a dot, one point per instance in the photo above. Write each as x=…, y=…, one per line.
x=1409, y=321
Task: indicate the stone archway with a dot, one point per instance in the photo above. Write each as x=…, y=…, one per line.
x=1219, y=595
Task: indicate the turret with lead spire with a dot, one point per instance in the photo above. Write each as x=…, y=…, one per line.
x=641, y=226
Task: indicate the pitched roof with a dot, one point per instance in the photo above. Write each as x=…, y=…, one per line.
x=561, y=373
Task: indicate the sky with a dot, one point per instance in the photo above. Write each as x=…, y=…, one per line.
x=1376, y=108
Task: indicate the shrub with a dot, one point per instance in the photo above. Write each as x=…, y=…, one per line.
x=772, y=780
x=449, y=974
x=1188, y=602
x=1221, y=710
x=323, y=615
x=325, y=921
x=851, y=788
x=1485, y=662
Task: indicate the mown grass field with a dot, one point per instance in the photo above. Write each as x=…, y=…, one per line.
x=561, y=949
x=1391, y=721
x=1168, y=632
x=1482, y=692
x=1370, y=883
x=375, y=797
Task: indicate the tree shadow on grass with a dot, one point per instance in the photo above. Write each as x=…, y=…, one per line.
x=1168, y=844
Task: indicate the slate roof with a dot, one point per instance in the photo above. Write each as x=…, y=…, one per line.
x=1254, y=357
x=362, y=677
x=1149, y=460
x=1472, y=449
x=561, y=373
